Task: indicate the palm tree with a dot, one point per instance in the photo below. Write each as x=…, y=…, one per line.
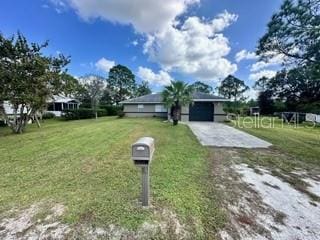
x=175, y=96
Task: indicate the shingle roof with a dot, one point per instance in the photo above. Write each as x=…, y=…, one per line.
x=200, y=95
x=62, y=99
x=150, y=98
x=157, y=98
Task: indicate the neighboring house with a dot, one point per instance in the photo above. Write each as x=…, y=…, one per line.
x=60, y=103
x=8, y=108
x=56, y=105
x=205, y=107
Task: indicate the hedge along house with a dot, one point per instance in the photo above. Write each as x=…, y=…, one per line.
x=205, y=107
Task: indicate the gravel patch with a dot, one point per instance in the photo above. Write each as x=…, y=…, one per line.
x=300, y=217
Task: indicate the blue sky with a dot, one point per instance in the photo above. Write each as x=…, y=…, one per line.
x=184, y=39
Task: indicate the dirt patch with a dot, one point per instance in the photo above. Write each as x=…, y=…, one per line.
x=29, y=224
x=40, y=221
x=260, y=205
x=299, y=218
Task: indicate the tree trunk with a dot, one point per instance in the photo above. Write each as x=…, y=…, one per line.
x=19, y=125
x=175, y=114
x=37, y=121
x=20, y=119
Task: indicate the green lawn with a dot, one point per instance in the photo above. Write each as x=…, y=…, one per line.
x=86, y=166
x=300, y=143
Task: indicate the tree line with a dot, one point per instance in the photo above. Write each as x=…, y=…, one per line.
x=294, y=33
x=96, y=91
x=29, y=79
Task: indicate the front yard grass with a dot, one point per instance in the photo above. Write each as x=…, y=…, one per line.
x=85, y=165
x=294, y=156
x=301, y=142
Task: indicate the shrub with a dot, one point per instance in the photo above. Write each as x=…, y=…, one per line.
x=48, y=115
x=2, y=123
x=112, y=110
x=121, y=113
x=102, y=112
x=76, y=114
x=309, y=107
x=83, y=113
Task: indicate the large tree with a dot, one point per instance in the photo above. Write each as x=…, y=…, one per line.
x=265, y=97
x=107, y=97
x=297, y=87
x=232, y=88
x=71, y=87
x=201, y=87
x=121, y=82
x=94, y=86
x=294, y=31
x=143, y=89
x=175, y=96
x=266, y=102
x=27, y=79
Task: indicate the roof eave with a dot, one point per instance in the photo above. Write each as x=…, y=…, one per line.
x=194, y=100
x=211, y=100
x=141, y=102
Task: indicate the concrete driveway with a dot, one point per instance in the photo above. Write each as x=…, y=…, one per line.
x=221, y=135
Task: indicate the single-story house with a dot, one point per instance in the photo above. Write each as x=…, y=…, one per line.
x=205, y=107
x=59, y=103
x=56, y=105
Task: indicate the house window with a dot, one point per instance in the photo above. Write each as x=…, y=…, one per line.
x=57, y=106
x=140, y=107
x=160, y=108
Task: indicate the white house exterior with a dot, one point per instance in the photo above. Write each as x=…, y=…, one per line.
x=60, y=103
x=56, y=105
x=8, y=108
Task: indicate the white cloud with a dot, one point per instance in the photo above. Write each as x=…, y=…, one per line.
x=274, y=61
x=59, y=5
x=104, y=64
x=197, y=47
x=245, y=55
x=194, y=46
x=143, y=15
x=263, y=73
x=259, y=69
x=162, y=78
x=134, y=42
x=88, y=79
x=251, y=94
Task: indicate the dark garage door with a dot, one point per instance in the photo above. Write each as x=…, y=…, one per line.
x=201, y=111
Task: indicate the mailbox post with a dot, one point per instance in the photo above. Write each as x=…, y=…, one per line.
x=142, y=153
